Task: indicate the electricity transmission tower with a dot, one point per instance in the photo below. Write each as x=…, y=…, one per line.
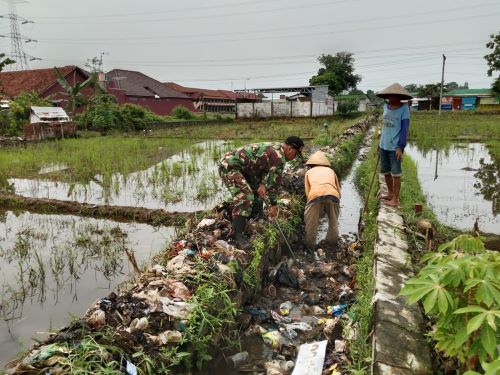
x=16, y=38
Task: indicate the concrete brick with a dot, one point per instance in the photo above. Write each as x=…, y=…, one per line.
x=393, y=255
x=389, y=280
x=384, y=369
x=401, y=348
x=405, y=316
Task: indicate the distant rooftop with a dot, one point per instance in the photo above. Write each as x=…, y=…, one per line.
x=468, y=92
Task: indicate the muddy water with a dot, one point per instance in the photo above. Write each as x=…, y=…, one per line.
x=187, y=181
x=350, y=205
x=54, y=266
x=448, y=181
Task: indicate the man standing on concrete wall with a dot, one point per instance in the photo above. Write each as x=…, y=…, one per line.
x=395, y=127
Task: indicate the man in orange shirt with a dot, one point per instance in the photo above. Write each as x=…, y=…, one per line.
x=323, y=197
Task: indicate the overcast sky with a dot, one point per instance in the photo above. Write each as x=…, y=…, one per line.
x=230, y=44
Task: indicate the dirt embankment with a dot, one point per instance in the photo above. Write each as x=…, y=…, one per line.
x=117, y=213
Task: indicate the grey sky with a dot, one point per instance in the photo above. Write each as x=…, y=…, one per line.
x=264, y=43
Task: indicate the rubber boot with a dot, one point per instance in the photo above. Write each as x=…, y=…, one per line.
x=239, y=224
x=257, y=210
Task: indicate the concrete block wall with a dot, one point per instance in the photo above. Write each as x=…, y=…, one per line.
x=399, y=344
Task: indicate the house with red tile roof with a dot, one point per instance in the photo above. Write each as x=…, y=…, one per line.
x=137, y=88
x=43, y=82
x=207, y=100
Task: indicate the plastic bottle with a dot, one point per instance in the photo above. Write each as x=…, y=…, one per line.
x=336, y=310
x=238, y=359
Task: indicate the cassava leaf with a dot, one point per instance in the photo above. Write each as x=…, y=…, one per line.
x=475, y=323
x=488, y=340
x=469, y=309
x=430, y=300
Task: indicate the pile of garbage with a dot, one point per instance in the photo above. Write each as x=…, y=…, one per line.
x=152, y=316
x=304, y=300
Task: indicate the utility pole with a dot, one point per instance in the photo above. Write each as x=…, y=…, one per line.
x=442, y=83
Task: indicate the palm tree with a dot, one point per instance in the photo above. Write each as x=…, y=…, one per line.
x=74, y=93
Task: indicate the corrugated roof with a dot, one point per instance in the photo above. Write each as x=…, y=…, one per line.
x=196, y=93
x=468, y=92
x=49, y=111
x=138, y=84
x=39, y=80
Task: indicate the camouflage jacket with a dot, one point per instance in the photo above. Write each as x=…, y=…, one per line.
x=259, y=163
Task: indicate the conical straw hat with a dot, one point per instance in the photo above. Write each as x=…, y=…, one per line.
x=318, y=158
x=394, y=89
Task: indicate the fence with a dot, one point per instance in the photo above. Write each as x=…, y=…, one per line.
x=284, y=109
x=41, y=131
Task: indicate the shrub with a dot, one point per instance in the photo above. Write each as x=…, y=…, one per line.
x=348, y=106
x=133, y=116
x=182, y=113
x=19, y=112
x=460, y=288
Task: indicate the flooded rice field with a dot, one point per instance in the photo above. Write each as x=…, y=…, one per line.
x=54, y=266
x=186, y=182
x=455, y=185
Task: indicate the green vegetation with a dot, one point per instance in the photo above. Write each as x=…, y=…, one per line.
x=271, y=130
x=360, y=347
x=86, y=158
x=12, y=121
x=337, y=72
x=459, y=287
x=493, y=61
x=182, y=113
x=430, y=130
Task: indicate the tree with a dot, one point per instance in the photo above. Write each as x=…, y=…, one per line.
x=429, y=90
x=4, y=61
x=412, y=87
x=74, y=93
x=356, y=91
x=374, y=98
x=94, y=64
x=493, y=60
x=20, y=108
x=337, y=73
x=451, y=86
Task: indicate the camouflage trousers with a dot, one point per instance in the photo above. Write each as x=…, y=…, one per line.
x=243, y=191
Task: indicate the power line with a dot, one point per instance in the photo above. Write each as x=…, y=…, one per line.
x=260, y=11
x=17, y=52
x=199, y=39
x=211, y=7
x=260, y=30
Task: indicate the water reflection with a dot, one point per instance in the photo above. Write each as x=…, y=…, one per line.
x=488, y=183
x=55, y=266
x=187, y=181
x=459, y=184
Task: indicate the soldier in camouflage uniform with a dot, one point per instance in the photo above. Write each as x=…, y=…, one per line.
x=252, y=174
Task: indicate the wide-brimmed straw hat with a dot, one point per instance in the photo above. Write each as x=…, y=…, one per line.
x=394, y=89
x=318, y=158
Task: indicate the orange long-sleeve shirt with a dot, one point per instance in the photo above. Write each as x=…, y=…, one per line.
x=320, y=181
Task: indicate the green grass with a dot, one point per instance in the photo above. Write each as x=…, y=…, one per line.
x=271, y=130
x=93, y=155
x=430, y=130
x=87, y=158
